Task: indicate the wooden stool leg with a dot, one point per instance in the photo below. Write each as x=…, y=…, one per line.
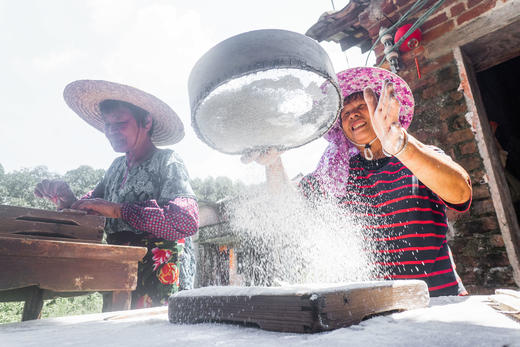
x=32, y=308
x=121, y=300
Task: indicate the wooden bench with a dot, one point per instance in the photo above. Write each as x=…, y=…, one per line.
x=32, y=270
x=46, y=254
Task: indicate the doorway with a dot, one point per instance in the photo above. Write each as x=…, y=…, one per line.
x=487, y=67
x=500, y=90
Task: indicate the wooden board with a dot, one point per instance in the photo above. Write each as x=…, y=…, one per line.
x=507, y=301
x=43, y=224
x=64, y=266
x=302, y=310
x=33, y=270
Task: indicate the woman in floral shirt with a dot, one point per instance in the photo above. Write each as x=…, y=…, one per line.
x=145, y=194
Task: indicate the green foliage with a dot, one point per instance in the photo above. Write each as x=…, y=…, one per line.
x=215, y=189
x=17, y=187
x=59, y=307
x=3, y=189
x=11, y=312
x=83, y=179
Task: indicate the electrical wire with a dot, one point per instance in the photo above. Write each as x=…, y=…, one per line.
x=415, y=25
x=416, y=7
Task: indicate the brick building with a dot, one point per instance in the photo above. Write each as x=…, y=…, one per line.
x=469, y=65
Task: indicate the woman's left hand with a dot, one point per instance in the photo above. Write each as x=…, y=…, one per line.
x=99, y=206
x=385, y=117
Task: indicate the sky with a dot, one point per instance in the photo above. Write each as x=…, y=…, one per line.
x=148, y=44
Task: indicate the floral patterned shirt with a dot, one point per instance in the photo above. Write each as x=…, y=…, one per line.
x=156, y=196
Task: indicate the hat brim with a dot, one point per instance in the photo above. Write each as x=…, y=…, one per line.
x=357, y=79
x=84, y=97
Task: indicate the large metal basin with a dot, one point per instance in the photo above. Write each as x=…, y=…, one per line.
x=264, y=88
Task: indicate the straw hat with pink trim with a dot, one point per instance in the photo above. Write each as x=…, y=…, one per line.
x=332, y=170
x=84, y=96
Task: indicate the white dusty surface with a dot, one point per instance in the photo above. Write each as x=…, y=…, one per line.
x=449, y=321
x=295, y=289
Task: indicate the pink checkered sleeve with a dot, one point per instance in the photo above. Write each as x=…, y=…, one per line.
x=88, y=195
x=177, y=220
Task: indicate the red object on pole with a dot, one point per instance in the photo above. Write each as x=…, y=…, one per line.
x=417, y=66
x=411, y=41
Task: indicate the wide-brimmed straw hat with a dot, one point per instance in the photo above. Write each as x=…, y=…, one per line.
x=332, y=169
x=84, y=96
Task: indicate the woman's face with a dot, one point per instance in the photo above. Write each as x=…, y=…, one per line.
x=123, y=131
x=356, y=122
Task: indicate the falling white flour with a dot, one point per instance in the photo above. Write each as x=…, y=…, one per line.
x=286, y=239
x=275, y=108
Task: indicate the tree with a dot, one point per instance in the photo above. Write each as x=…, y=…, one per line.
x=17, y=187
x=83, y=179
x=3, y=190
x=215, y=189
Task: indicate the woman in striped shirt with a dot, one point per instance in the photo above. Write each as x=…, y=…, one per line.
x=398, y=186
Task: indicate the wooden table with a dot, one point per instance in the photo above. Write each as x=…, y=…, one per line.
x=297, y=309
x=32, y=270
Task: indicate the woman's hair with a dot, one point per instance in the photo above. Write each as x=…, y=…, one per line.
x=108, y=106
x=354, y=96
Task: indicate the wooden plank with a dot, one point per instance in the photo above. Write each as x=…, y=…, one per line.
x=121, y=300
x=67, y=266
x=308, y=310
x=494, y=48
x=330, y=24
x=38, y=223
x=63, y=275
x=510, y=292
x=507, y=302
x=32, y=308
x=497, y=18
x=34, y=269
x=12, y=246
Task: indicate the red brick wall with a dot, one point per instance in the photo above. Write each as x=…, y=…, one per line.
x=439, y=119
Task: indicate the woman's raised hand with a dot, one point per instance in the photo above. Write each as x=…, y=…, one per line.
x=385, y=118
x=275, y=174
x=266, y=157
x=56, y=191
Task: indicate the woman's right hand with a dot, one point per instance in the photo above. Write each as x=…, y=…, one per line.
x=56, y=191
x=266, y=157
x=275, y=174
